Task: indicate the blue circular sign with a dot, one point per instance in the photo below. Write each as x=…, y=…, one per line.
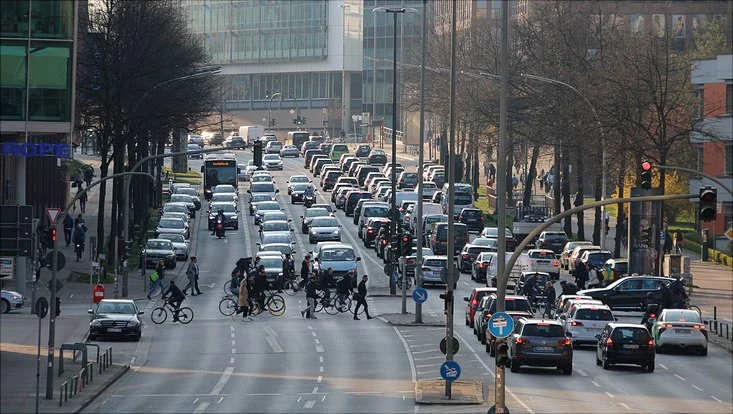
x=501, y=324
x=420, y=295
x=450, y=370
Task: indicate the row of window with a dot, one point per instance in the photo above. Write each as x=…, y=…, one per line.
x=258, y=46
x=51, y=19
x=324, y=85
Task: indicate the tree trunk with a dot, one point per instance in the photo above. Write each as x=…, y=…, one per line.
x=509, y=189
x=579, y=172
x=599, y=229
x=620, y=215
x=103, y=172
x=529, y=182
x=565, y=184
x=556, y=193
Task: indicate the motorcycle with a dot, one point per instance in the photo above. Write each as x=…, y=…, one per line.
x=651, y=311
x=308, y=201
x=219, y=227
x=78, y=249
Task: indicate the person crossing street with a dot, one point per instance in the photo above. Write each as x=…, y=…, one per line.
x=360, y=296
x=192, y=272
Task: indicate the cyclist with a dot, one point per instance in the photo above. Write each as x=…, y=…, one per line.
x=305, y=270
x=286, y=274
x=237, y=277
x=343, y=290
x=530, y=285
x=175, y=297
x=679, y=296
x=324, y=281
x=260, y=286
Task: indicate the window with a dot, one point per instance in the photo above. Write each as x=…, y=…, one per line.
x=729, y=98
x=700, y=103
x=12, y=80
x=729, y=159
x=49, y=82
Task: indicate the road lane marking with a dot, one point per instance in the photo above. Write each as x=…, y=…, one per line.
x=274, y=345
x=315, y=390
x=720, y=401
x=196, y=400
x=426, y=358
x=696, y=387
x=422, y=352
x=310, y=327
x=662, y=366
x=609, y=394
x=232, y=335
x=231, y=360
x=309, y=404
x=320, y=359
x=234, y=343
x=319, y=348
x=231, y=328
x=320, y=379
x=409, y=354
x=625, y=406
x=317, y=341
x=220, y=400
x=314, y=333
x=223, y=380
x=320, y=369
x=426, y=365
x=679, y=377
x=234, y=351
x=417, y=345
x=581, y=372
x=596, y=384
x=201, y=408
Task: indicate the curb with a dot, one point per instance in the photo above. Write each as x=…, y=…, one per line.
x=426, y=324
x=103, y=389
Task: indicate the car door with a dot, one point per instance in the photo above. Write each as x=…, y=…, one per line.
x=602, y=342
x=627, y=294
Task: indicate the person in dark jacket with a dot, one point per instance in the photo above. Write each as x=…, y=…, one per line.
x=360, y=296
x=286, y=274
x=310, y=295
x=305, y=270
x=550, y=298
x=260, y=286
x=68, y=227
x=343, y=289
x=581, y=275
x=175, y=297
x=568, y=288
x=325, y=278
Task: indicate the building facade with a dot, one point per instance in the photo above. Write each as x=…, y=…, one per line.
x=304, y=54
x=714, y=80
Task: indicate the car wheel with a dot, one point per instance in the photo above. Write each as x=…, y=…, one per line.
x=567, y=369
x=136, y=338
x=483, y=338
x=659, y=349
x=704, y=351
x=650, y=367
x=606, y=363
x=514, y=367
x=467, y=322
x=4, y=306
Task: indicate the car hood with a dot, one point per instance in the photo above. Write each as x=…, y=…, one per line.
x=158, y=251
x=170, y=230
x=325, y=229
x=273, y=270
x=592, y=292
x=179, y=245
x=115, y=316
x=338, y=266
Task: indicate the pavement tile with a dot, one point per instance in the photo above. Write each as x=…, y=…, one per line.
x=462, y=392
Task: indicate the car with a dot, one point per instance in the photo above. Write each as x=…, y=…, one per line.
x=374, y=183
x=625, y=343
x=428, y=224
x=680, y=328
x=348, y=163
x=428, y=189
x=353, y=197
x=586, y=321
x=223, y=198
x=543, y=260
x=493, y=233
x=340, y=197
x=540, y=342
x=296, y=179
x=372, y=227
x=172, y=225
x=516, y=306
x=315, y=159
x=329, y=168
x=10, y=300
x=309, y=215
x=196, y=139
x=480, y=265
x=216, y=139
x=308, y=145
x=552, y=240
x=370, y=177
x=432, y=270
x=275, y=226
x=272, y=161
x=324, y=229
x=627, y=293
x=310, y=154
x=273, y=216
x=569, y=303
x=180, y=244
x=484, y=242
x=407, y=179
x=236, y=142
x=473, y=300
x=157, y=250
x=329, y=179
x=473, y=218
x=177, y=208
x=187, y=199
x=261, y=178
x=242, y=173
x=567, y=250
x=298, y=192
x=337, y=150
x=282, y=248
x=410, y=262
x=437, y=196
x=264, y=188
x=273, y=147
x=326, y=206
x=468, y=254
x=325, y=147
x=341, y=258
x=194, y=147
x=370, y=209
x=265, y=206
x=363, y=150
x=429, y=169
x=438, y=177
x=273, y=264
x=224, y=188
x=577, y=253
x=439, y=237
x=178, y=216
x=231, y=215
x=190, y=191
x=258, y=198
x=289, y=151
x=377, y=157
x=116, y=318
x=596, y=258
x=276, y=237
x=318, y=164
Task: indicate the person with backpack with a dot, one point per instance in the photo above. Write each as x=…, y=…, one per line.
x=310, y=296
x=156, y=278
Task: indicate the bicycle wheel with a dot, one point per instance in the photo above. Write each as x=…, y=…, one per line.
x=185, y=315
x=227, y=285
x=399, y=283
x=331, y=308
x=255, y=308
x=696, y=309
x=292, y=287
x=319, y=302
x=276, y=305
x=227, y=306
x=346, y=306
x=159, y=315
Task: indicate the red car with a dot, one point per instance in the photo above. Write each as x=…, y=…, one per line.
x=476, y=295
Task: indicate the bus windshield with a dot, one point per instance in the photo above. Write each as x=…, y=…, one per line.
x=220, y=172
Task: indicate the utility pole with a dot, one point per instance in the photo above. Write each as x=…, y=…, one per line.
x=420, y=168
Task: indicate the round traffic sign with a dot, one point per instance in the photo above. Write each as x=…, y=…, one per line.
x=41, y=307
x=501, y=324
x=450, y=370
x=420, y=295
x=389, y=268
x=60, y=261
x=444, y=344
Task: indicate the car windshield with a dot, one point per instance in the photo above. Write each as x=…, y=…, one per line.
x=436, y=219
x=479, y=249
x=493, y=232
x=226, y=207
x=461, y=230
x=338, y=254
x=471, y=213
x=224, y=189
x=340, y=148
x=542, y=255
x=158, y=245
x=271, y=261
x=682, y=315
x=630, y=333
x=268, y=205
x=512, y=304
x=316, y=212
x=171, y=224
x=120, y=308
x=436, y=262
x=222, y=197
x=594, y=314
x=543, y=330
x=186, y=191
x=300, y=186
x=269, y=238
x=324, y=222
x=375, y=212
x=178, y=238
x=261, y=179
x=271, y=157
x=282, y=248
x=263, y=188
x=555, y=236
x=299, y=179
x=181, y=198
x=483, y=241
x=276, y=226
x=256, y=198
x=174, y=208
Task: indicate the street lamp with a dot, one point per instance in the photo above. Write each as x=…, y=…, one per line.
x=603, y=142
x=269, y=110
x=394, y=213
x=344, y=122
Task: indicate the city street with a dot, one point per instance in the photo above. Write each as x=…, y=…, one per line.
x=335, y=364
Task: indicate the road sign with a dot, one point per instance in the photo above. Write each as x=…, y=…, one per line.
x=420, y=295
x=60, y=261
x=59, y=285
x=501, y=325
x=729, y=233
x=450, y=370
x=7, y=266
x=444, y=344
x=389, y=268
x=41, y=307
x=53, y=214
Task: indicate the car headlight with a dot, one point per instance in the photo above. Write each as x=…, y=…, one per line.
x=313, y=231
x=133, y=323
x=17, y=297
x=234, y=217
x=336, y=232
x=96, y=323
x=211, y=217
x=352, y=271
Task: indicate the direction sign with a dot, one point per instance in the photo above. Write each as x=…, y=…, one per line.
x=53, y=214
x=450, y=370
x=501, y=325
x=420, y=295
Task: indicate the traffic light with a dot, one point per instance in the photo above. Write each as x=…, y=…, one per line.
x=58, y=306
x=295, y=121
x=272, y=122
x=302, y=120
x=406, y=244
x=707, y=206
x=646, y=175
x=648, y=237
x=502, y=354
x=448, y=298
x=396, y=245
x=52, y=236
x=257, y=150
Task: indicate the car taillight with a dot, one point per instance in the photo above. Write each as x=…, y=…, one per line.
x=576, y=323
x=370, y=231
x=556, y=263
x=663, y=327
x=651, y=315
x=410, y=261
x=481, y=218
x=565, y=342
x=609, y=343
x=522, y=341
x=484, y=265
x=650, y=344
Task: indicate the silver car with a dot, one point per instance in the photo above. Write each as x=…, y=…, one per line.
x=180, y=244
x=433, y=268
x=680, y=328
x=10, y=300
x=172, y=225
x=272, y=161
x=289, y=151
x=274, y=226
x=324, y=229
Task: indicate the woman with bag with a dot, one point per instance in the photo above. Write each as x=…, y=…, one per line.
x=244, y=308
x=156, y=278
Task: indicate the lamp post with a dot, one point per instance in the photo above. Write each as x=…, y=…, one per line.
x=126, y=185
x=344, y=121
x=269, y=110
x=603, y=142
x=394, y=216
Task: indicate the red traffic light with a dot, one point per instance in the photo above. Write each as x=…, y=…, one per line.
x=646, y=166
x=708, y=196
x=53, y=234
x=405, y=239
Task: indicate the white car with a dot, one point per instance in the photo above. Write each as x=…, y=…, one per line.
x=543, y=260
x=584, y=322
x=10, y=301
x=680, y=328
x=272, y=161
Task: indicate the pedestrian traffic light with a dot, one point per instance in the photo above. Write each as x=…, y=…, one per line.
x=407, y=244
x=396, y=245
x=448, y=298
x=646, y=175
x=707, y=205
x=648, y=237
x=502, y=354
x=58, y=306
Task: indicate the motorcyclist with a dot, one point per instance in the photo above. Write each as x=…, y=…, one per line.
x=678, y=293
x=309, y=196
x=175, y=297
x=80, y=236
x=219, y=218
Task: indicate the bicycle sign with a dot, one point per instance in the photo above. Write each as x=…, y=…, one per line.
x=501, y=325
x=450, y=370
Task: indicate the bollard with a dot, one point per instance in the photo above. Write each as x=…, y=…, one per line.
x=61, y=393
x=74, y=385
x=90, y=370
x=100, y=367
x=110, y=355
x=715, y=313
x=83, y=377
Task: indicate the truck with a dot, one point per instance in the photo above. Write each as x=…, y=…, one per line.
x=528, y=218
x=251, y=133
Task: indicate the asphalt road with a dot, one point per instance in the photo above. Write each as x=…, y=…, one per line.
x=335, y=364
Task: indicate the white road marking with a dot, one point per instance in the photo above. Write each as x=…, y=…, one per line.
x=232, y=335
x=234, y=351
x=696, y=387
x=320, y=359
x=223, y=380
x=299, y=398
x=310, y=327
x=231, y=360
x=320, y=379
x=409, y=354
x=231, y=328
x=220, y=400
x=319, y=348
x=315, y=390
x=422, y=352
x=234, y=343
x=720, y=401
x=320, y=369
x=323, y=399
x=196, y=400
x=426, y=358
x=273, y=344
x=596, y=384
x=625, y=406
x=679, y=377
x=581, y=372
x=427, y=365
x=609, y=394
x=662, y=366
x=317, y=341
x=309, y=404
x=201, y=408
x=314, y=333
x=417, y=345
x=425, y=372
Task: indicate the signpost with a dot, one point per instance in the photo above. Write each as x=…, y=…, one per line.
x=53, y=214
x=501, y=324
x=450, y=370
x=444, y=344
x=420, y=295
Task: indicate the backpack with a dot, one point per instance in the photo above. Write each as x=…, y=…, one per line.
x=154, y=276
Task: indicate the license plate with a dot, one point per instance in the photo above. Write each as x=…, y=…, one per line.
x=682, y=331
x=471, y=220
x=114, y=329
x=543, y=349
x=631, y=346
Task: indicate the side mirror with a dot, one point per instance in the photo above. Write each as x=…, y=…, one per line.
x=465, y=298
x=291, y=229
x=202, y=168
x=258, y=243
x=301, y=216
x=277, y=190
x=140, y=312
x=89, y=311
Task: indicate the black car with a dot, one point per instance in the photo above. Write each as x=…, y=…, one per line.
x=372, y=229
x=353, y=197
x=377, y=157
x=116, y=317
x=231, y=215
x=299, y=192
x=627, y=293
x=552, y=240
x=309, y=154
x=346, y=166
x=542, y=343
x=363, y=151
x=625, y=343
x=236, y=142
x=473, y=218
x=468, y=254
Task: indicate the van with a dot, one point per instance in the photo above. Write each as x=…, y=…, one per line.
x=439, y=238
x=521, y=265
x=337, y=150
x=251, y=133
x=463, y=198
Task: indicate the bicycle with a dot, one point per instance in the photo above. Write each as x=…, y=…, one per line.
x=160, y=314
x=274, y=303
x=692, y=307
x=338, y=304
x=292, y=287
x=228, y=305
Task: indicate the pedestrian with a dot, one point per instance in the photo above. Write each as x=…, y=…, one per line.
x=679, y=241
x=343, y=290
x=550, y=297
x=310, y=296
x=305, y=270
x=667, y=246
x=607, y=274
x=286, y=274
x=606, y=221
x=515, y=182
x=324, y=281
x=260, y=286
x=486, y=168
x=88, y=174
x=594, y=278
x=492, y=172
x=156, y=278
x=68, y=227
x=82, y=199
x=78, y=179
x=581, y=275
x=568, y=288
x=360, y=296
x=192, y=272
x=244, y=308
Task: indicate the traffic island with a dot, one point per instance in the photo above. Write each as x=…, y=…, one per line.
x=462, y=392
x=408, y=319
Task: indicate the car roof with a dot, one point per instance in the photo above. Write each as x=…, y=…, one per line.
x=540, y=251
x=118, y=301
x=539, y=320
x=336, y=244
x=593, y=306
x=614, y=325
x=535, y=273
x=157, y=240
x=441, y=257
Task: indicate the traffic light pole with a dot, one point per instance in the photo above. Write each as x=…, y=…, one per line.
x=708, y=176
x=54, y=275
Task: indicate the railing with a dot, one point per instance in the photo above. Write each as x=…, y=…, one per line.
x=719, y=328
x=85, y=376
